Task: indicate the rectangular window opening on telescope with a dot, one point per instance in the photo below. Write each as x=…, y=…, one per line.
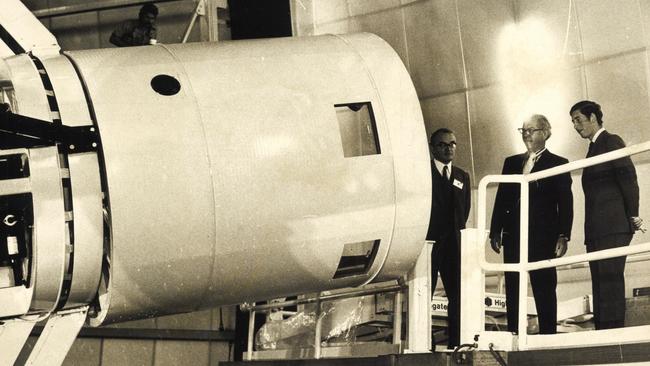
x=358, y=129
x=357, y=258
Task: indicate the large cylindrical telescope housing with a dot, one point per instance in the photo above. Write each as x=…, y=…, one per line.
x=230, y=172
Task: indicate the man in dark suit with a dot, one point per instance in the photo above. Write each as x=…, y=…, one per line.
x=550, y=217
x=450, y=206
x=611, y=213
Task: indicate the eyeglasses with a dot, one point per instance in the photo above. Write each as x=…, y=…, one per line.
x=529, y=131
x=443, y=145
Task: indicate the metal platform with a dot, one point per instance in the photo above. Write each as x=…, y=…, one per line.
x=602, y=355
x=413, y=359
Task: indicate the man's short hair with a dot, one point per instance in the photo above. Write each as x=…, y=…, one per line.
x=439, y=132
x=587, y=108
x=149, y=8
x=546, y=125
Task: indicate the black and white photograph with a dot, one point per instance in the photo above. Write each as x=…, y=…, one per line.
x=324, y=182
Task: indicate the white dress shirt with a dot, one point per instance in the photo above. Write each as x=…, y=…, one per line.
x=532, y=159
x=440, y=165
x=597, y=134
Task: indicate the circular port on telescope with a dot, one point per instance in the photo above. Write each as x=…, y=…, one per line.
x=165, y=84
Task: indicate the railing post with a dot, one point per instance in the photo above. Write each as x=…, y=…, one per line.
x=522, y=273
x=472, y=285
x=251, y=334
x=318, y=331
x=397, y=318
x=419, y=303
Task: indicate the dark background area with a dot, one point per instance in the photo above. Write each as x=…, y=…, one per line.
x=259, y=18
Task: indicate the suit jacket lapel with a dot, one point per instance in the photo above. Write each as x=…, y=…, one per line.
x=437, y=182
x=435, y=171
x=599, y=144
x=521, y=161
x=597, y=147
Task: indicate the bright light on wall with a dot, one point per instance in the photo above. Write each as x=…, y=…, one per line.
x=534, y=76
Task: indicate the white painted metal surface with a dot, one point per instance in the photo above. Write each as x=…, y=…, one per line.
x=472, y=287
x=13, y=335
x=49, y=248
x=23, y=77
x=397, y=318
x=589, y=338
x=57, y=337
x=233, y=188
x=68, y=91
x=88, y=228
x=419, y=303
x=26, y=30
x=236, y=188
x=15, y=186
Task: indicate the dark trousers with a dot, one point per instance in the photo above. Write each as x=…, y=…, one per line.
x=445, y=258
x=608, y=282
x=543, y=282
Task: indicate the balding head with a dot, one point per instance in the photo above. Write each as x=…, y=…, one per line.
x=540, y=121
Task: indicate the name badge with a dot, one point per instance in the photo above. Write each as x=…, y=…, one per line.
x=458, y=184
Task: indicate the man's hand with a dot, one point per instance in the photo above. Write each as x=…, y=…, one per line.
x=637, y=223
x=496, y=244
x=561, y=247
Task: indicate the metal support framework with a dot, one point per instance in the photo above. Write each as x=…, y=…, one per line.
x=419, y=303
x=35, y=132
x=318, y=300
x=318, y=331
x=57, y=337
x=21, y=32
x=198, y=10
x=199, y=335
x=251, y=335
x=323, y=298
x=207, y=10
x=473, y=282
x=216, y=13
x=13, y=335
x=397, y=318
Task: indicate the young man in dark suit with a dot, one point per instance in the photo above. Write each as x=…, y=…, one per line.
x=450, y=206
x=611, y=213
x=550, y=217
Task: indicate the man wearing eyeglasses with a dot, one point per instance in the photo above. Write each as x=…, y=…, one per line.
x=550, y=217
x=450, y=206
x=611, y=213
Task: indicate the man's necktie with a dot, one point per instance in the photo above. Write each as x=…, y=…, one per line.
x=530, y=163
x=445, y=172
x=590, y=152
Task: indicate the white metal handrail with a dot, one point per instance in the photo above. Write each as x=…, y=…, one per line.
x=594, y=256
x=524, y=266
x=548, y=263
x=632, y=258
